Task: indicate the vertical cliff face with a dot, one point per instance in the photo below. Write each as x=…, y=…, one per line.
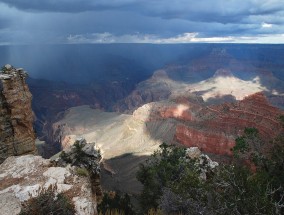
x=17, y=135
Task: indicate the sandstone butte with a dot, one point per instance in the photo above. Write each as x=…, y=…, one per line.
x=214, y=128
x=17, y=136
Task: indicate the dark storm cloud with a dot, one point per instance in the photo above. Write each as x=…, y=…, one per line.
x=233, y=11
x=203, y=10
x=4, y=23
x=66, y=5
x=61, y=21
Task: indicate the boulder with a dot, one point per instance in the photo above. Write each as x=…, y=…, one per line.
x=193, y=152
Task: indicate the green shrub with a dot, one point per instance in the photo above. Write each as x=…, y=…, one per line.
x=112, y=212
x=48, y=203
x=281, y=119
x=174, y=186
x=114, y=203
x=82, y=172
x=4, y=69
x=65, y=157
x=249, y=145
x=165, y=168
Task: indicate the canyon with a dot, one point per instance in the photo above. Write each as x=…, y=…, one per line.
x=204, y=102
x=187, y=121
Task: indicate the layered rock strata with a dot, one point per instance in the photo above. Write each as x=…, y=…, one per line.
x=17, y=135
x=214, y=128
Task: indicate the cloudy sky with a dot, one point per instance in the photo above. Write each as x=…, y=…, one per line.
x=141, y=21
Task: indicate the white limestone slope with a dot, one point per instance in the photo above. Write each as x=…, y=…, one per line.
x=115, y=134
x=223, y=84
x=219, y=86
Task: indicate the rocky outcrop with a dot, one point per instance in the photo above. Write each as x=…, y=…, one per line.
x=17, y=135
x=84, y=155
x=76, y=173
x=24, y=177
x=203, y=163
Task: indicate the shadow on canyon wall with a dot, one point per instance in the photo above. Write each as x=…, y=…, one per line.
x=119, y=173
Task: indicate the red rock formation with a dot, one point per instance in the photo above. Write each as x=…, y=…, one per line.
x=17, y=135
x=206, y=141
x=214, y=128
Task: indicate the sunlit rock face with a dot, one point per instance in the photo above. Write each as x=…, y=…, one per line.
x=223, y=86
x=217, y=77
x=24, y=177
x=17, y=135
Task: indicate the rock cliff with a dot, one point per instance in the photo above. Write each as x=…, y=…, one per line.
x=17, y=135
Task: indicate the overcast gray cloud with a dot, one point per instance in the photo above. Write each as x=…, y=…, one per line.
x=156, y=21
x=68, y=5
